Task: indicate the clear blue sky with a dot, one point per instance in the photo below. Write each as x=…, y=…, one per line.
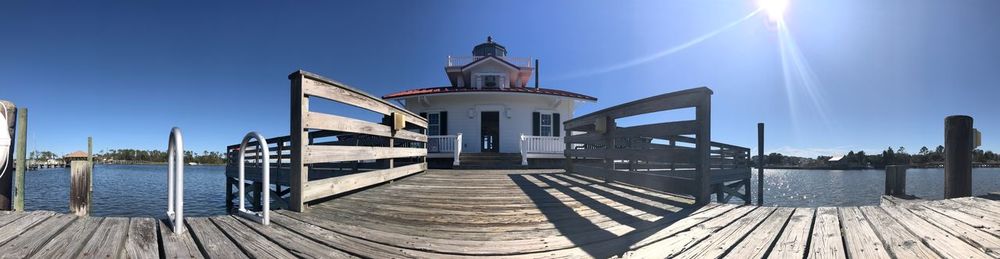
x=868, y=74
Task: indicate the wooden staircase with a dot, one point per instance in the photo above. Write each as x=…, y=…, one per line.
x=490, y=161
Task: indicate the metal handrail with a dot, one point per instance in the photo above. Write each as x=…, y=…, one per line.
x=175, y=180
x=262, y=217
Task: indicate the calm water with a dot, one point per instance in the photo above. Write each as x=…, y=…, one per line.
x=812, y=188
x=140, y=190
x=130, y=190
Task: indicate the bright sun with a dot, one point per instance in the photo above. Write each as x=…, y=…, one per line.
x=775, y=8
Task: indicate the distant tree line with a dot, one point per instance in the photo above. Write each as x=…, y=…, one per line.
x=925, y=157
x=135, y=155
x=158, y=156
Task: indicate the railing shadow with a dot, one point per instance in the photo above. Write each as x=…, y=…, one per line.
x=591, y=233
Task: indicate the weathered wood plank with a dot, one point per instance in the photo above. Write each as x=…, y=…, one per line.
x=212, y=241
x=178, y=245
x=982, y=240
x=328, y=154
x=68, y=242
x=353, y=245
x=900, y=242
x=941, y=241
x=30, y=241
x=12, y=229
x=716, y=244
x=296, y=244
x=140, y=240
x=757, y=243
x=315, y=120
x=826, y=236
x=336, y=185
x=255, y=245
x=674, y=244
x=108, y=239
x=315, y=85
x=678, y=154
x=668, y=101
x=10, y=217
x=795, y=237
x=860, y=240
x=986, y=224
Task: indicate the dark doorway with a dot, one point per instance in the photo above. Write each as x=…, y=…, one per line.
x=490, y=131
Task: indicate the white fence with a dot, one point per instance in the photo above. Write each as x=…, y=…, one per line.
x=445, y=146
x=541, y=147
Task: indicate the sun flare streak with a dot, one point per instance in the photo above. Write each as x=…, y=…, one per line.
x=800, y=80
x=661, y=54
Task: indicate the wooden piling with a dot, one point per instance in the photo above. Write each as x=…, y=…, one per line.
x=7, y=179
x=79, y=184
x=22, y=164
x=90, y=176
x=760, y=164
x=895, y=180
x=958, y=156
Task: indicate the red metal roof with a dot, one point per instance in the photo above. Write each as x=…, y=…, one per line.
x=449, y=89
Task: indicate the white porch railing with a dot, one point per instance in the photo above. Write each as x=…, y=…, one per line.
x=541, y=147
x=445, y=146
x=461, y=61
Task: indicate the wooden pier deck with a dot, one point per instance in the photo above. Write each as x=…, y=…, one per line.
x=525, y=213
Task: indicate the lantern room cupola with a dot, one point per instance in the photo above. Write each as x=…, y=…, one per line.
x=489, y=67
x=489, y=48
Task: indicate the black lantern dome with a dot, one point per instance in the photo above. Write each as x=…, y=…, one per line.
x=489, y=48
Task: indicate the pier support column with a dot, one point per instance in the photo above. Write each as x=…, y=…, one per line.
x=760, y=164
x=79, y=184
x=958, y=145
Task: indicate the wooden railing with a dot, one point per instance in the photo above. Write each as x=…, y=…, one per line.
x=541, y=147
x=676, y=156
x=445, y=146
x=330, y=154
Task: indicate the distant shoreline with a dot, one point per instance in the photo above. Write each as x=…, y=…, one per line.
x=865, y=168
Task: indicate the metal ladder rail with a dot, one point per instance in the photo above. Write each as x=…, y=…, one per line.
x=175, y=180
x=262, y=217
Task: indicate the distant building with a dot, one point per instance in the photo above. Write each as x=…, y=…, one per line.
x=842, y=162
x=75, y=156
x=490, y=103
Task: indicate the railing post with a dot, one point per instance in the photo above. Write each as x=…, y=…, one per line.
x=299, y=136
x=524, y=153
x=703, y=176
x=458, y=149
x=760, y=164
x=566, y=150
x=958, y=145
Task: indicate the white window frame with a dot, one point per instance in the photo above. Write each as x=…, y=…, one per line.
x=542, y=125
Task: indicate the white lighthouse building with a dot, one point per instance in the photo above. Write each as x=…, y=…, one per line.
x=489, y=109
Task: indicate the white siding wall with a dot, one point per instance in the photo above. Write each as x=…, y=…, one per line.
x=519, y=120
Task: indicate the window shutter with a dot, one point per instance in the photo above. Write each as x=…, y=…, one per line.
x=424, y=115
x=536, y=127
x=555, y=124
x=443, y=119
